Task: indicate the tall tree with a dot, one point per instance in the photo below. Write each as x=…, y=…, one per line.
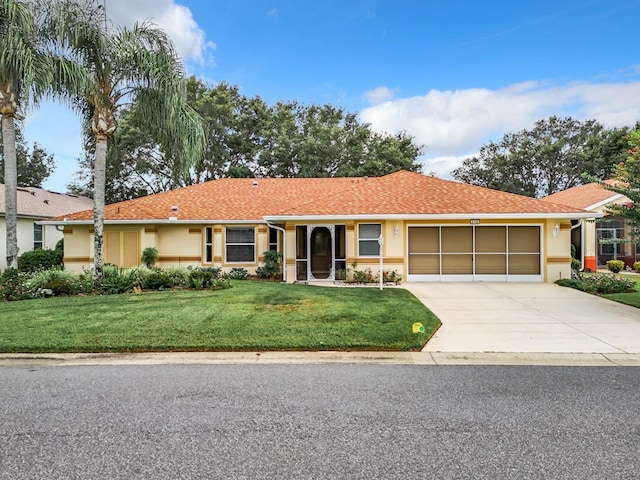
x=551, y=157
x=136, y=166
x=119, y=67
x=33, y=165
x=626, y=176
x=25, y=75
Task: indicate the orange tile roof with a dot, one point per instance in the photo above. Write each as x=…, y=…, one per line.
x=582, y=196
x=401, y=193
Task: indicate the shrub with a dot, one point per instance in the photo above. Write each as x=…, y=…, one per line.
x=40, y=259
x=178, y=275
x=58, y=282
x=158, y=280
x=615, y=265
x=363, y=276
x=576, y=264
x=271, y=267
x=115, y=281
x=391, y=277
x=237, y=273
x=600, y=284
x=60, y=245
x=138, y=276
x=636, y=267
x=150, y=256
x=203, y=277
x=220, y=284
x=13, y=285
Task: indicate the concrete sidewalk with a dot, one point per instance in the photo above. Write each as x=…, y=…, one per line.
x=527, y=318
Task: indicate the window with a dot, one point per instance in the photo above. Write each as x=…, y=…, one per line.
x=273, y=239
x=208, y=245
x=240, y=244
x=368, y=234
x=37, y=236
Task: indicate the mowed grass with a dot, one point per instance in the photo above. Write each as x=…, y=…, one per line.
x=248, y=316
x=632, y=299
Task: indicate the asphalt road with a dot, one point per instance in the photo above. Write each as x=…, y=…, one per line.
x=319, y=421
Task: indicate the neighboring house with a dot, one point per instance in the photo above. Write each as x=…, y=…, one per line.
x=586, y=235
x=34, y=205
x=432, y=229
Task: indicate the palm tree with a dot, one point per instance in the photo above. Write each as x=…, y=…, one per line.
x=120, y=68
x=25, y=75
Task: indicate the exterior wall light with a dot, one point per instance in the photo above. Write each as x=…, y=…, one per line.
x=396, y=231
x=556, y=230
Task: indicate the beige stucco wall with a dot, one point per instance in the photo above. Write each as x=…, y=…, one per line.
x=556, y=250
x=184, y=245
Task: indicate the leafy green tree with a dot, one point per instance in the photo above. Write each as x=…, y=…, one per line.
x=25, y=76
x=34, y=165
x=626, y=176
x=551, y=157
x=119, y=67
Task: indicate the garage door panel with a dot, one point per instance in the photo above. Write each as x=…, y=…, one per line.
x=457, y=239
x=457, y=264
x=524, y=239
x=524, y=264
x=424, y=240
x=491, y=264
x=420, y=264
x=491, y=239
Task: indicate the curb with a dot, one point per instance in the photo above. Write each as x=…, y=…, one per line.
x=322, y=357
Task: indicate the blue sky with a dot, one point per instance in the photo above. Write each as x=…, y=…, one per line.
x=452, y=74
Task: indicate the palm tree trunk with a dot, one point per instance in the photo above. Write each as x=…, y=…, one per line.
x=10, y=188
x=99, y=181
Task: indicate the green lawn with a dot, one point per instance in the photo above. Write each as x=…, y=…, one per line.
x=632, y=299
x=248, y=316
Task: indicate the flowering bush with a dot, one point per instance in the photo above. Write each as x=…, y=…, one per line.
x=600, y=284
x=636, y=267
x=14, y=286
x=58, y=282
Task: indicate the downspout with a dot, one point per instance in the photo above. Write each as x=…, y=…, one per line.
x=582, y=244
x=284, y=250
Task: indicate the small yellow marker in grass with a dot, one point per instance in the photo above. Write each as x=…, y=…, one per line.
x=418, y=328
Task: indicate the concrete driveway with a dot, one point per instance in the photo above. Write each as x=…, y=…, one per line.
x=528, y=318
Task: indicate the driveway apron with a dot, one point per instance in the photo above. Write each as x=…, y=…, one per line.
x=527, y=318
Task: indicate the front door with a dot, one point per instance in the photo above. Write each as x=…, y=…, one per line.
x=320, y=253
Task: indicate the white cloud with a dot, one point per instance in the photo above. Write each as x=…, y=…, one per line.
x=442, y=167
x=379, y=95
x=454, y=124
x=176, y=20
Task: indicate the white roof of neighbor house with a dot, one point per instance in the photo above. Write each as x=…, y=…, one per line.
x=36, y=202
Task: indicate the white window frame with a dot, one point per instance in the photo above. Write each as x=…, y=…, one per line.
x=369, y=240
x=227, y=244
x=38, y=244
x=208, y=245
x=274, y=245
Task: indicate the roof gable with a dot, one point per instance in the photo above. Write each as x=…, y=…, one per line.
x=583, y=196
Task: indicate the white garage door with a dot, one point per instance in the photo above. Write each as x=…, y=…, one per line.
x=475, y=253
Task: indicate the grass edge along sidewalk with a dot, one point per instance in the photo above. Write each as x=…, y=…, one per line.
x=248, y=316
